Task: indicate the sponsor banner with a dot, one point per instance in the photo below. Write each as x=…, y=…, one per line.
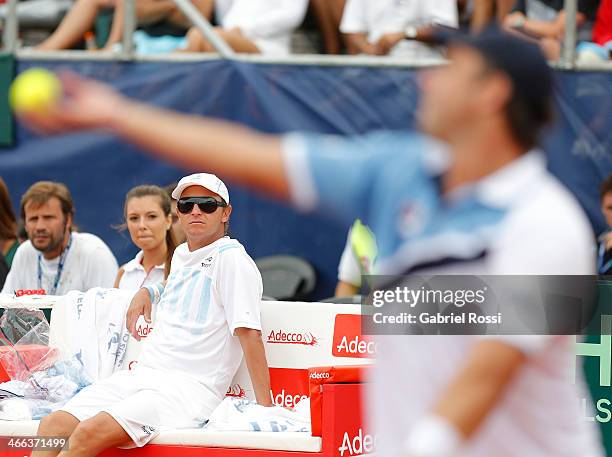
x=359, y=443
x=288, y=386
x=348, y=340
x=22, y=292
x=345, y=435
x=328, y=375
x=300, y=337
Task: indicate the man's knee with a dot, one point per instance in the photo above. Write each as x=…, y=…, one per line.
x=58, y=423
x=98, y=433
x=195, y=40
x=198, y=42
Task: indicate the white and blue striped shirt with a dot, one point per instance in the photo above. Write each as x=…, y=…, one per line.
x=210, y=292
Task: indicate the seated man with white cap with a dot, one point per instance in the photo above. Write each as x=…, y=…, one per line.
x=207, y=317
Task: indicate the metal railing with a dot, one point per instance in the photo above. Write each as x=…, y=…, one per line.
x=11, y=27
x=128, y=51
x=568, y=57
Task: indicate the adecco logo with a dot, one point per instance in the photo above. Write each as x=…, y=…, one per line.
x=357, y=445
x=287, y=400
x=348, y=340
x=282, y=337
x=315, y=375
x=22, y=292
x=144, y=330
x=235, y=390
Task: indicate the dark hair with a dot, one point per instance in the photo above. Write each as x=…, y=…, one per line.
x=527, y=121
x=23, y=234
x=606, y=187
x=169, y=188
x=8, y=222
x=164, y=203
x=526, y=118
x=41, y=192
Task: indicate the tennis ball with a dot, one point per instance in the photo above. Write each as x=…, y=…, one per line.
x=34, y=91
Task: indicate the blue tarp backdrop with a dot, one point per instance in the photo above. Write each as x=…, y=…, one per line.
x=99, y=169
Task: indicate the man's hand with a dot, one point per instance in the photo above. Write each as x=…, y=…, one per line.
x=140, y=305
x=386, y=42
x=514, y=20
x=85, y=104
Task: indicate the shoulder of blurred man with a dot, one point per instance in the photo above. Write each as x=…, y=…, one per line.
x=546, y=230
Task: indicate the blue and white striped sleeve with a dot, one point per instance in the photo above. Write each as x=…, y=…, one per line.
x=339, y=175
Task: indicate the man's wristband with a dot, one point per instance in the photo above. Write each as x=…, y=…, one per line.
x=155, y=292
x=411, y=32
x=433, y=436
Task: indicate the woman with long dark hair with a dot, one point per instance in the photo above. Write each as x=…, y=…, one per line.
x=148, y=219
x=8, y=226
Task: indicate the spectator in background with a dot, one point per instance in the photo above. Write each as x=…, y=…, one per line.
x=486, y=11
x=151, y=14
x=4, y=270
x=55, y=258
x=357, y=259
x=147, y=217
x=389, y=27
x=177, y=229
x=601, y=46
x=544, y=21
x=22, y=235
x=252, y=26
x=329, y=14
x=604, y=248
x=8, y=226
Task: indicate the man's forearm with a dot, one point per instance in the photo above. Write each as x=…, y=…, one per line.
x=255, y=357
x=542, y=28
x=477, y=389
x=554, y=29
x=240, y=154
x=471, y=396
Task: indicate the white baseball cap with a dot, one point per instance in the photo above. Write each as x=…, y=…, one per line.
x=206, y=180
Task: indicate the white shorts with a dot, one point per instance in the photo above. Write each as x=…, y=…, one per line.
x=145, y=401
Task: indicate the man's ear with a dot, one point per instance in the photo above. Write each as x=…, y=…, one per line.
x=496, y=93
x=227, y=211
x=69, y=222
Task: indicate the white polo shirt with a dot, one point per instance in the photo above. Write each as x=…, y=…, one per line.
x=134, y=275
x=209, y=293
x=89, y=263
x=268, y=23
x=376, y=18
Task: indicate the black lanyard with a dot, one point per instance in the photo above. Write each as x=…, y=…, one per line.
x=60, y=268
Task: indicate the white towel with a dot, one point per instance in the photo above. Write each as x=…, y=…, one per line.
x=92, y=327
x=243, y=415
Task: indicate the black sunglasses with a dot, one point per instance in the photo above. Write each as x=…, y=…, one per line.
x=207, y=205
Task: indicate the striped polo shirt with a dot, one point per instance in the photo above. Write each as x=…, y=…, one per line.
x=209, y=293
